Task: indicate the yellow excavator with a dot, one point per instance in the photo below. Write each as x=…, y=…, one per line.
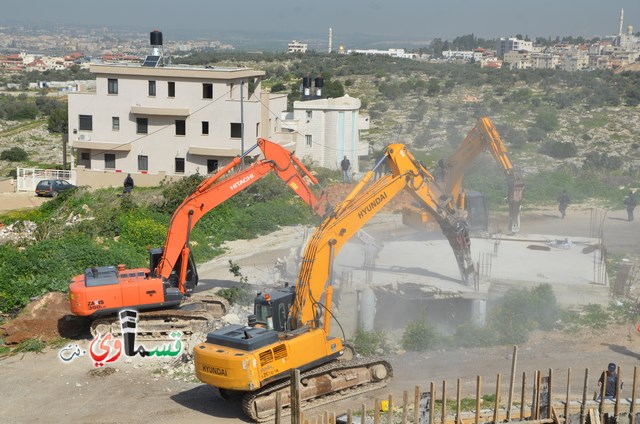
x=290, y=328
x=482, y=137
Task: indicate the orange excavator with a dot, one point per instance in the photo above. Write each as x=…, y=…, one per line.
x=290, y=328
x=171, y=277
x=482, y=137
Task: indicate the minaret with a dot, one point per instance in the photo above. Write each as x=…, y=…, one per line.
x=621, y=22
x=331, y=38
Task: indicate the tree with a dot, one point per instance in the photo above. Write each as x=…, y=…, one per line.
x=58, y=121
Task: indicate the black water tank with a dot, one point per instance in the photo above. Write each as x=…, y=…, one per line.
x=156, y=38
x=319, y=82
x=306, y=82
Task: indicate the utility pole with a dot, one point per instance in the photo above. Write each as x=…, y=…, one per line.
x=242, y=121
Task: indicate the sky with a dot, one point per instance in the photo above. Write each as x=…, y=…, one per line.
x=415, y=20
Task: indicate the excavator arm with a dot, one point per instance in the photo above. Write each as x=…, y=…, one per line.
x=216, y=189
x=482, y=137
x=313, y=287
x=255, y=360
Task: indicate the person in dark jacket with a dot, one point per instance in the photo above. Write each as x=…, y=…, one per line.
x=563, y=202
x=610, y=380
x=128, y=184
x=630, y=202
x=345, y=165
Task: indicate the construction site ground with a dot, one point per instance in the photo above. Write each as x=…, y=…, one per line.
x=40, y=387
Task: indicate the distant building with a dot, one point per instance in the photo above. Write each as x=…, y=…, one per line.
x=297, y=47
x=518, y=59
x=326, y=130
x=505, y=45
x=391, y=52
x=178, y=120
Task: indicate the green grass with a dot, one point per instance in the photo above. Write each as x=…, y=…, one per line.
x=30, y=345
x=597, y=121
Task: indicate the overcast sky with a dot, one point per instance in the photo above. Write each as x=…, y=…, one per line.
x=382, y=19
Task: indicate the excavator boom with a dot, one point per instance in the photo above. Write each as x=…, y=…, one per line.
x=171, y=276
x=484, y=137
x=291, y=327
x=213, y=191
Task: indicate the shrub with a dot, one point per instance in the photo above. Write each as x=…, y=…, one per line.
x=559, y=149
x=14, y=154
x=418, y=336
x=369, y=343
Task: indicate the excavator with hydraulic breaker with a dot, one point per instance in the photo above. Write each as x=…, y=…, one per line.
x=290, y=327
x=482, y=137
x=164, y=290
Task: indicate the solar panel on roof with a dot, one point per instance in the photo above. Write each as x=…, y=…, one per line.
x=151, y=61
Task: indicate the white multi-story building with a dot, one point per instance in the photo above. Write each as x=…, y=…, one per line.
x=297, y=47
x=505, y=45
x=171, y=119
x=326, y=130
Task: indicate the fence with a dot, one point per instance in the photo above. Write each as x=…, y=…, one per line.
x=27, y=178
x=539, y=406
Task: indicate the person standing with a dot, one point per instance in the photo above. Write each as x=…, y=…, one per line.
x=563, y=202
x=610, y=380
x=345, y=165
x=128, y=184
x=630, y=202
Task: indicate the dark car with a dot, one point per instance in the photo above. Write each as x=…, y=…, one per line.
x=52, y=187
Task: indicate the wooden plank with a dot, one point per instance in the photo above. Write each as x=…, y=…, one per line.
x=363, y=417
x=405, y=404
x=567, y=400
x=603, y=388
x=444, y=401
x=512, y=381
x=523, y=394
x=632, y=409
x=616, y=411
x=390, y=412
x=478, y=398
x=296, y=415
x=497, y=405
x=458, y=400
x=416, y=404
x=432, y=403
x=376, y=411
x=279, y=408
x=584, y=396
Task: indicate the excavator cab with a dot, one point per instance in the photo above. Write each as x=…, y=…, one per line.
x=191, y=282
x=272, y=309
x=476, y=207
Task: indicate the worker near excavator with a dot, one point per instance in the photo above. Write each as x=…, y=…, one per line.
x=563, y=202
x=610, y=379
x=345, y=165
x=128, y=184
x=630, y=202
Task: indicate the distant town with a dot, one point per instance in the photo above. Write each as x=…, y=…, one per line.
x=26, y=49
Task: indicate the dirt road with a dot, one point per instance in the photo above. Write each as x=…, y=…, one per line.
x=43, y=388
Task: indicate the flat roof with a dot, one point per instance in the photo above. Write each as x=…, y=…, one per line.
x=200, y=72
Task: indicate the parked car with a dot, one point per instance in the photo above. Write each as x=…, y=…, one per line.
x=52, y=187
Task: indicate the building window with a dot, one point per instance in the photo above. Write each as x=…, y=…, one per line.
x=85, y=122
x=309, y=114
x=85, y=156
x=205, y=127
x=179, y=165
x=112, y=86
x=109, y=161
x=207, y=90
x=236, y=130
x=143, y=163
x=181, y=127
x=171, y=87
x=212, y=166
x=115, y=123
x=152, y=88
x=308, y=140
x=142, y=125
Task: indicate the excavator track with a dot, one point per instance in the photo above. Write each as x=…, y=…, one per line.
x=192, y=317
x=329, y=383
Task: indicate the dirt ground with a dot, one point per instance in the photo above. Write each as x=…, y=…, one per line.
x=43, y=388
